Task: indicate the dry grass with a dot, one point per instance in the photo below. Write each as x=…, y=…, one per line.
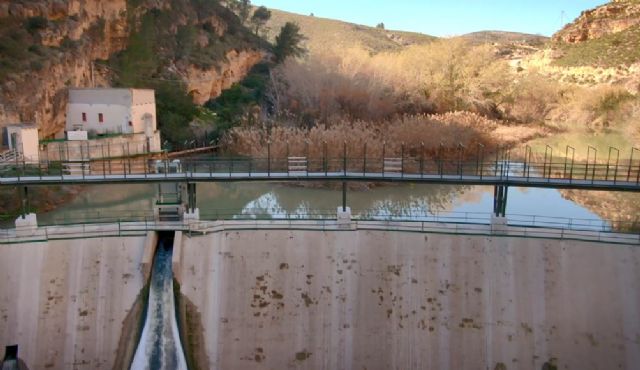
x=443, y=76
x=411, y=131
x=323, y=34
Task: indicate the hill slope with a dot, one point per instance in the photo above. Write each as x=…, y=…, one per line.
x=607, y=36
x=503, y=37
x=323, y=33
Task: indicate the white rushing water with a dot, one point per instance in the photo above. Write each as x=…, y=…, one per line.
x=160, y=346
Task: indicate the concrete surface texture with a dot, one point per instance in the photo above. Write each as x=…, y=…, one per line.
x=396, y=300
x=63, y=302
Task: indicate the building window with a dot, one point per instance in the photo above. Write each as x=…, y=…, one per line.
x=84, y=117
x=100, y=117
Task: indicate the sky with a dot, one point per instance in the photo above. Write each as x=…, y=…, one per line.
x=445, y=17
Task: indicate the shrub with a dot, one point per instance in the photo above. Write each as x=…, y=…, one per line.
x=442, y=76
x=412, y=131
x=34, y=24
x=36, y=65
x=531, y=97
x=68, y=44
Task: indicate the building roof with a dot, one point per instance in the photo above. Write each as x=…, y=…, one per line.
x=107, y=89
x=22, y=125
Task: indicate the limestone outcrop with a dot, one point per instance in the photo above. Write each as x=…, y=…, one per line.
x=72, y=39
x=614, y=17
x=206, y=84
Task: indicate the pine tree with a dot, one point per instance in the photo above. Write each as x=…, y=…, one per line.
x=288, y=42
x=260, y=17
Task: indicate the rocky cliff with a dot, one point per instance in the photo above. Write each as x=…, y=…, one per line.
x=48, y=46
x=607, y=19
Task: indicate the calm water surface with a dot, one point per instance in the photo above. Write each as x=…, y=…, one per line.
x=273, y=200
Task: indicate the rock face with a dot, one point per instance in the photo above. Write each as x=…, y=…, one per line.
x=592, y=24
x=40, y=96
x=77, y=34
x=206, y=84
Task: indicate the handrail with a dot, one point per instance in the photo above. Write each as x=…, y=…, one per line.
x=616, y=175
x=480, y=218
x=126, y=229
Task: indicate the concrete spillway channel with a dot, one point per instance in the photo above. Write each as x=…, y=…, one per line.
x=160, y=346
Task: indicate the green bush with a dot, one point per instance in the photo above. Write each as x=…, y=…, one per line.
x=611, y=101
x=68, y=44
x=34, y=24
x=36, y=65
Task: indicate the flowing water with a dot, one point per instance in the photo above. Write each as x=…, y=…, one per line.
x=159, y=347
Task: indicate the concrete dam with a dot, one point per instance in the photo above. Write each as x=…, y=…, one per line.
x=313, y=299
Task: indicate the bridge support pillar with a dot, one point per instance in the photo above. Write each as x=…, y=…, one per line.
x=191, y=197
x=23, y=195
x=26, y=225
x=344, y=217
x=344, y=196
x=500, y=200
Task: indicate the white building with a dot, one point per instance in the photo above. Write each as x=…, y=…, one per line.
x=111, y=111
x=23, y=139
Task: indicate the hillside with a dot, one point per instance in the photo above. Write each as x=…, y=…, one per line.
x=322, y=33
x=177, y=47
x=502, y=37
x=607, y=36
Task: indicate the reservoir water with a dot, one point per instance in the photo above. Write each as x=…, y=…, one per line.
x=275, y=200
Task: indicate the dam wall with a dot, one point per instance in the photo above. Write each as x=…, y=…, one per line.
x=276, y=299
x=64, y=302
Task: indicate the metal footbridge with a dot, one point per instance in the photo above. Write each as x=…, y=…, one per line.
x=557, y=175
x=458, y=168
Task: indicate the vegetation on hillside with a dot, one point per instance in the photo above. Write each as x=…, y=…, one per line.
x=352, y=88
x=22, y=48
x=160, y=41
x=325, y=34
x=622, y=48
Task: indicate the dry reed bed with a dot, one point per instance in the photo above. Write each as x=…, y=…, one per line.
x=428, y=136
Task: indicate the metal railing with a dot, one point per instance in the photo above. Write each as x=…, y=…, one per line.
x=546, y=174
x=10, y=157
x=480, y=218
x=140, y=228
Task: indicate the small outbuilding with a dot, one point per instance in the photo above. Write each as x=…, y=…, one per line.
x=22, y=138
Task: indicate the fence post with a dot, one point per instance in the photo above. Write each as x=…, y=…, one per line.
x=269, y=158
x=324, y=157
x=402, y=160
x=441, y=160
x=384, y=149
x=128, y=158
x=422, y=159
x=495, y=168
x=364, y=161
x=344, y=155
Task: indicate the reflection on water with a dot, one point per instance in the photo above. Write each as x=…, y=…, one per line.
x=397, y=201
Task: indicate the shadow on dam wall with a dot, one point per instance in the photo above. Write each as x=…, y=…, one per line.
x=11, y=360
